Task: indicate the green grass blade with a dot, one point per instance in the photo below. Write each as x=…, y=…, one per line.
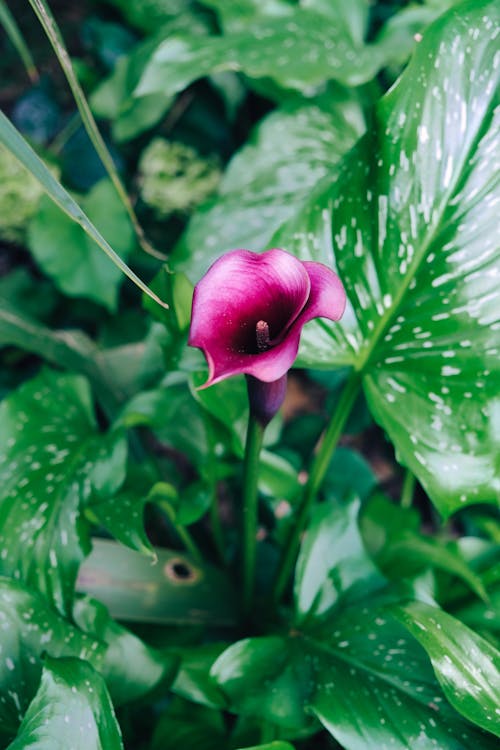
x=14, y=141
x=51, y=29
x=12, y=30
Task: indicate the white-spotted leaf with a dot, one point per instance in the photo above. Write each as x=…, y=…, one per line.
x=52, y=457
x=411, y=223
x=72, y=709
x=466, y=665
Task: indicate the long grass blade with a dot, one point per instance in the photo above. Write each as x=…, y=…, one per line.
x=14, y=141
x=49, y=24
x=13, y=31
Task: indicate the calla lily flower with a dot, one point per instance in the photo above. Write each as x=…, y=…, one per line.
x=249, y=310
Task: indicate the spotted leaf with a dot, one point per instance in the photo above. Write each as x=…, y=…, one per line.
x=51, y=459
x=411, y=224
x=72, y=709
x=30, y=628
x=300, y=52
x=358, y=674
x=467, y=666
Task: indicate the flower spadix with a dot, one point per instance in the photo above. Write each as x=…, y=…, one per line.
x=249, y=309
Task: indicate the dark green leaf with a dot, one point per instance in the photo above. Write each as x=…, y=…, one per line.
x=401, y=224
x=278, y=745
x=130, y=667
x=175, y=417
x=466, y=665
x=72, y=708
x=358, y=673
x=31, y=628
x=332, y=558
x=51, y=458
x=193, y=681
x=400, y=551
x=173, y=591
x=186, y=725
x=349, y=473
x=74, y=261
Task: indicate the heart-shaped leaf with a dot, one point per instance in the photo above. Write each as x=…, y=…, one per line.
x=51, y=457
x=410, y=223
x=467, y=666
x=72, y=708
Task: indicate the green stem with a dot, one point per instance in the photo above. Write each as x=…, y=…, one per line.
x=316, y=476
x=408, y=489
x=255, y=435
x=53, y=33
x=215, y=524
x=181, y=532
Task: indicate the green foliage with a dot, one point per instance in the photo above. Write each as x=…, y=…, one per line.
x=419, y=325
x=20, y=194
x=174, y=178
x=72, y=706
x=127, y=488
x=52, y=457
x=73, y=260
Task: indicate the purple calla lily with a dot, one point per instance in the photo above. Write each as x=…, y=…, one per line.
x=249, y=310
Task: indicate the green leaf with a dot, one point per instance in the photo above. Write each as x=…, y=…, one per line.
x=400, y=223
x=271, y=177
x=31, y=628
x=70, y=258
x=13, y=32
x=466, y=665
x=392, y=536
x=193, y=680
x=239, y=13
x=358, y=673
x=14, y=141
x=72, y=708
x=278, y=745
x=348, y=473
x=174, y=590
x=130, y=667
x=51, y=457
x=186, y=725
x=299, y=52
x=332, y=558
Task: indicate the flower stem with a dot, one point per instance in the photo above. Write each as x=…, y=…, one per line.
x=408, y=489
x=316, y=476
x=255, y=435
x=182, y=532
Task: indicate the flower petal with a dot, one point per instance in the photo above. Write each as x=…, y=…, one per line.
x=327, y=299
x=239, y=290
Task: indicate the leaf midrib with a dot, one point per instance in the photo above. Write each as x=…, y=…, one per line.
x=365, y=354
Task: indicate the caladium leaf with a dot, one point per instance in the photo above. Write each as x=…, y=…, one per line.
x=467, y=666
x=51, y=458
x=72, y=708
x=410, y=223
